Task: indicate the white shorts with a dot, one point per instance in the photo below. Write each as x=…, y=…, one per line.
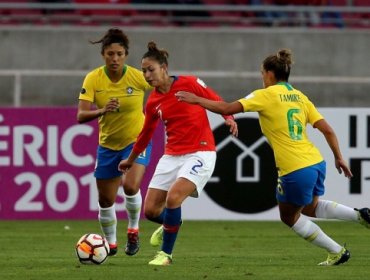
x=196, y=167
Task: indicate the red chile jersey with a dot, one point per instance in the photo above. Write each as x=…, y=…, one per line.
x=187, y=126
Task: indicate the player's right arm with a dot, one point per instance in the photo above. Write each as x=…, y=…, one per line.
x=220, y=107
x=86, y=108
x=86, y=112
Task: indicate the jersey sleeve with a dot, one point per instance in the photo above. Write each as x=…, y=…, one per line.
x=253, y=102
x=88, y=92
x=140, y=80
x=147, y=87
x=150, y=124
x=313, y=114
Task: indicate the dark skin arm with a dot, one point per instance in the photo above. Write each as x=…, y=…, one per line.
x=126, y=164
x=85, y=112
x=225, y=108
x=332, y=141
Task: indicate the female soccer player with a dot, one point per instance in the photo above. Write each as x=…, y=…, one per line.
x=117, y=92
x=189, y=157
x=284, y=113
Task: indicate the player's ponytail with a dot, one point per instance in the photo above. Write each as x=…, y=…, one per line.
x=113, y=35
x=280, y=64
x=160, y=55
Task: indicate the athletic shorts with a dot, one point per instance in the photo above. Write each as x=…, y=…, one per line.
x=196, y=167
x=299, y=187
x=107, y=160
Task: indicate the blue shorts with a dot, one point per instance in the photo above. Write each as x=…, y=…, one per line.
x=107, y=160
x=300, y=186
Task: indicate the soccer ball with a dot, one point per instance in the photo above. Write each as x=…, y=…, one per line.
x=92, y=248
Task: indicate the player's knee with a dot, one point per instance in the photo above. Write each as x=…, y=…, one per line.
x=309, y=211
x=106, y=199
x=105, y=203
x=130, y=190
x=174, y=200
x=151, y=214
x=131, y=187
x=288, y=220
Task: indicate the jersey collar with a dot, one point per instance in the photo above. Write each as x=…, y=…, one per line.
x=123, y=70
x=286, y=84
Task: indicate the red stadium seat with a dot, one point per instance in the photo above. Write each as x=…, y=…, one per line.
x=338, y=2
x=103, y=11
x=361, y=3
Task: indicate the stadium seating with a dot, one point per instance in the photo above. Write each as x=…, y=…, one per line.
x=28, y=16
x=204, y=18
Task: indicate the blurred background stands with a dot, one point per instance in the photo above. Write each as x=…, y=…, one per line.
x=197, y=13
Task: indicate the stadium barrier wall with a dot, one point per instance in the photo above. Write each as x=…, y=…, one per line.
x=243, y=184
x=331, y=65
x=47, y=160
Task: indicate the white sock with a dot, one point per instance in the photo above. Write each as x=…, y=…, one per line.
x=108, y=223
x=133, y=208
x=313, y=234
x=331, y=210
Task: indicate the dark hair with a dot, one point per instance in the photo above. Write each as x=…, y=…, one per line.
x=159, y=55
x=113, y=35
x=280, y=64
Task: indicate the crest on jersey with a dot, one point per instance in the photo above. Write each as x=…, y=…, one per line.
x=129, y=90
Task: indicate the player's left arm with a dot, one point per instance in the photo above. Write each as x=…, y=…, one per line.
x=333, y=143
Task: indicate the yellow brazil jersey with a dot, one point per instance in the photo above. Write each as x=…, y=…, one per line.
x=121, y=128
x=283, y=114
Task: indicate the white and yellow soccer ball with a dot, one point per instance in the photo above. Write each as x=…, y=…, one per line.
x=92, y=248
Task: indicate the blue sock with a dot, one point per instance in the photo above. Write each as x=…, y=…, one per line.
x=171, y=226
x=159, y=219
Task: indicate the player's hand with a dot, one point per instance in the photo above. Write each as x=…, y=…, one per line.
x=112, y=105
x=342, y=166
x=233, y=126
x=187, y=97
x=124, y=166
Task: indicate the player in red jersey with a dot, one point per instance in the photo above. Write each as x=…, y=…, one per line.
x=190, y=153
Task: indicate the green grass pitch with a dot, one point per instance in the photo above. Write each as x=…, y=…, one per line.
x=204, y=250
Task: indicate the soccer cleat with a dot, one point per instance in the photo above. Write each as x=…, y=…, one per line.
x=157, y=237
x=335, y=259
x=161, y=258
x=132, y=245
x=364, y=216
x=113, y=248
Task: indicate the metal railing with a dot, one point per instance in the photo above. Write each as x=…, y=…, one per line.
x=19, y=74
